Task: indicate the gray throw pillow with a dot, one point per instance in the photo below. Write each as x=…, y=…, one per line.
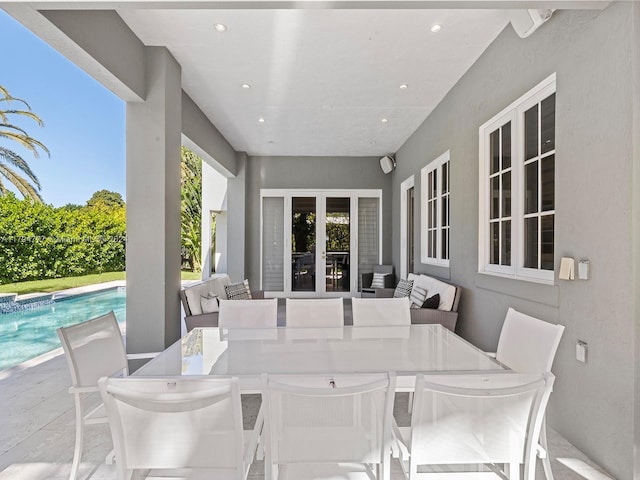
x=403, y=289
x=238, y=291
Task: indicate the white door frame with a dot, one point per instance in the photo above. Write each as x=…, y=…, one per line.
x=404, y=212
x=321, y=196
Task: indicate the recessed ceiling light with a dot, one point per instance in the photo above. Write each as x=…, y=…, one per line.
x=246, y=86
x=261, y=120
x=384, y=120
x=404, y=86
x=436, y=28
x=220, y=27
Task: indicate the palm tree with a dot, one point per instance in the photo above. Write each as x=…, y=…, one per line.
x=12, y=165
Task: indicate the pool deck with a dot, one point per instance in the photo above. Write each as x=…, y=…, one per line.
x=37, y=428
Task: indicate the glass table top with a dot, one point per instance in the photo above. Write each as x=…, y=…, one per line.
x=406, y=350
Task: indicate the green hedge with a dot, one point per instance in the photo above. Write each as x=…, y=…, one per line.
x=40, y=241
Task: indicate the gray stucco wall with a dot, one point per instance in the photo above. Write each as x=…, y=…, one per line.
x=636, y=225
x=591, y=52
x=310, y=173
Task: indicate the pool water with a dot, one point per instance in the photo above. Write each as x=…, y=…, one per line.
x=32, y=332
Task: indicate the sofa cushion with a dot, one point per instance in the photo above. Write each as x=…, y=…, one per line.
x=207, y=288
x=422, y=281
x=447, y=294
x=209, y=304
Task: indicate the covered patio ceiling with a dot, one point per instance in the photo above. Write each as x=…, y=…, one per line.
x=324, y=82
x=314, y=78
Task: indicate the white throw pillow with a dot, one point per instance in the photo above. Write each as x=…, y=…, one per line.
x=418, y=296
x=378, y=280
x=209, y=304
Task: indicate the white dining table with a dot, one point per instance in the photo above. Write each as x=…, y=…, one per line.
x=249, y=353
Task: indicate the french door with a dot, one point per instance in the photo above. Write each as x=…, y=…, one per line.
x=314, y=243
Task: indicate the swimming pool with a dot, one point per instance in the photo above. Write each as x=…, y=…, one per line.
x=28, y=333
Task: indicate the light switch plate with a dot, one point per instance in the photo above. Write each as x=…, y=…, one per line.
x=583, y=269
x=581, y=351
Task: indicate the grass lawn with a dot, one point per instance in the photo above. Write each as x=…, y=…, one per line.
x=55, y=284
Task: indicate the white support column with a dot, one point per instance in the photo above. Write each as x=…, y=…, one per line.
x=214, y=199
x=153, y=135
x=236, y=211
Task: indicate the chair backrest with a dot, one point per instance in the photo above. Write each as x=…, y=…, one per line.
x=316, y=312
x=175, y=422
x=526, y=344
x=248, y=313
x=93, y=349
x=383, y=269
x=380, y=311
x=478, y=418
x=327, y=419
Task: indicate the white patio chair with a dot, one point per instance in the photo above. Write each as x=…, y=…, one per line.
x=529, y=345
x=93, y=349
x=238, y=314
x=317, y=425
x=248, y=313
x=474, y=425
x=380, y=311
x=177, y=423
x=315, y=312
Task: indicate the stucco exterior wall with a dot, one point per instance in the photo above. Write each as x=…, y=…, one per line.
x=592, y=55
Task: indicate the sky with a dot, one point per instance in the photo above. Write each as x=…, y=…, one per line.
x=84, y=123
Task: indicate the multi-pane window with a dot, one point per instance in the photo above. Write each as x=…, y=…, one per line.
x=517, y=193
x=500, y=201
x=539, y=183
x=436, y=207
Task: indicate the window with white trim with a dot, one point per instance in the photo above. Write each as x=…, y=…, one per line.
x=435, y=186
x=517, y=187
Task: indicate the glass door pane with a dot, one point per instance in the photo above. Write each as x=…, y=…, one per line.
x=303, y=244
x=410, y=233
x=338, y=239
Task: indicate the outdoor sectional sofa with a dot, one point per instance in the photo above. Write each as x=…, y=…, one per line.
x=191, y=298
x=447, y=312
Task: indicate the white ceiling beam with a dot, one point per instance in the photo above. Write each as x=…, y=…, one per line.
x=85, y=47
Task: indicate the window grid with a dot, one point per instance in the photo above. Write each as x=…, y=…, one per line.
x=446, y=208
x=500, y=223
x=540, y=212
x=525, y=187
x=437, y=211
x=432, y=203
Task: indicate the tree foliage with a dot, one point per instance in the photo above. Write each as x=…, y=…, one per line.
x=39, y=241
x=105, y=198
x=191, y=208
x=12, y=165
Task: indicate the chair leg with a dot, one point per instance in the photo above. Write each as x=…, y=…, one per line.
x=110, y=458
x=546, y=461
x=410, y=404
x=77, y=452
x=513, y=471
